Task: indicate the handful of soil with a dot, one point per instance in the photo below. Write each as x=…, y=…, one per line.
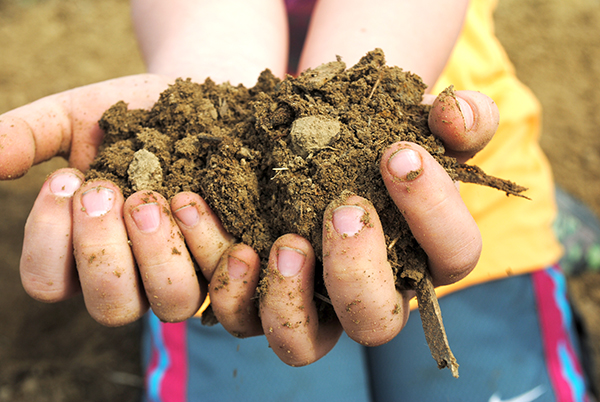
x=270, y=159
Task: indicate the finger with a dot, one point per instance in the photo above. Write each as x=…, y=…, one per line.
x=357, y=274
x=434, y=210
x=66, y=124
x=233, y=290
x=47, y=266
x=170, y=280
x=111, y=286
x=287, y=309
x=203, y=231
x=465, y=121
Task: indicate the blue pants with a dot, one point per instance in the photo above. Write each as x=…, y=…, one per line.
x=511, y=337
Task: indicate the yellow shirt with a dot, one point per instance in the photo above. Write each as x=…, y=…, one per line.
x=517, y=233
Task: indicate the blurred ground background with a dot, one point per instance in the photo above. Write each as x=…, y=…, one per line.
x=56, y=352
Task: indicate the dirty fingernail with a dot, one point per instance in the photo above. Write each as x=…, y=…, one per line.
x=64, y=184
x=405, y=164
x=290, y=261
x=237, y=268
x=98, y=201
x=146, y=217
x=467, y=112
x=348, y=220
x=188, y=215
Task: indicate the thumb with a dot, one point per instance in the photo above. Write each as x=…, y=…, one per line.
x=465, y=121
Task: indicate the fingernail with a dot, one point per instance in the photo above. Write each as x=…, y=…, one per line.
x=146, y=217
x=64, y=184
x=290, y=261
x=348, y=220
x=405, y=164
x=237, y=268
x=188, y=215
x=98, y=201
x=467, y=112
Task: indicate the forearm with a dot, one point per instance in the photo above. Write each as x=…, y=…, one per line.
x=416, y=35
x=227, y=40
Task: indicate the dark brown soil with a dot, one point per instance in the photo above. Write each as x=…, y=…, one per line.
x=270, y=159
x=254, y=156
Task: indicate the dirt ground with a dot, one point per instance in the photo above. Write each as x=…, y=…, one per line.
x=56, y=352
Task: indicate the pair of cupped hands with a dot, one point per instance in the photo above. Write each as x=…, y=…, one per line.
x=129, y=255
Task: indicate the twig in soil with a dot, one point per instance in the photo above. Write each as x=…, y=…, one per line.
x=207, y=137
x=393, y=243
x=474, y=174
x=431, y=317
x=435, y=334
x=278, y=170
x=376, y=85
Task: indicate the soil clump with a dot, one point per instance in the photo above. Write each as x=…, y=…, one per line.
x=270, y=159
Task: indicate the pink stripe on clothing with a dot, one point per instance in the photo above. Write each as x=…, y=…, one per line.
x=563, y=365
x=174, y=383
x=167, y=373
